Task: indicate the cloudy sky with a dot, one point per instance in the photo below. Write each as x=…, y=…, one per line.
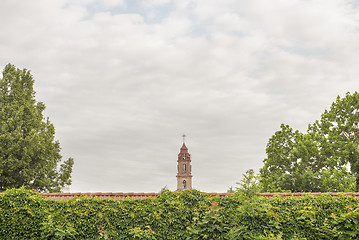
x=124, y=79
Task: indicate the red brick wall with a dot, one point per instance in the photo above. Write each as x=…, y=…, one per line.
x=110, y=195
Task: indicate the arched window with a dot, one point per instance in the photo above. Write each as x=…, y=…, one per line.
x=184, y=168
x=184, y=184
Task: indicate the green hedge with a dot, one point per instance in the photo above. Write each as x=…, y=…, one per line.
x=25, y=214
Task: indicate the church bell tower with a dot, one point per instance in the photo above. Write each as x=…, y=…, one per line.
x=184, y=168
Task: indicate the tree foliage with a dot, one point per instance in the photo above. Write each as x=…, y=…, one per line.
x=340, y=127
x=29, y=154
x=249, y=186
x=316, y=161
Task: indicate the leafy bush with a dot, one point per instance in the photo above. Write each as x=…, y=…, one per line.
x=24, y=214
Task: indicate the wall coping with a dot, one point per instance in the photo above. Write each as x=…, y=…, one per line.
x=141, y=195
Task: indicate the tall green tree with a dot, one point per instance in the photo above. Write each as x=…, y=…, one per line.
x=290, y=163
x=29, y=154
x=318, y=160
x=340, y=126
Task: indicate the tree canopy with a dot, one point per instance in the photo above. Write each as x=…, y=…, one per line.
x=29, y=154
x=324, y=159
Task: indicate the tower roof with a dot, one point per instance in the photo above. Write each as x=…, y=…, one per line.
x=184, y=149
x=184, y=146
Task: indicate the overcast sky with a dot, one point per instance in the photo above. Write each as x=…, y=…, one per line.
x=124, y=79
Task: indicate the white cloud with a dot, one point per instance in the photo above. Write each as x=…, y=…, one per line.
x=113, y=3
x=154, y=2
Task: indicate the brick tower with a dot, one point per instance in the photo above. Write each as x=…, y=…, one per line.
x=184, y=168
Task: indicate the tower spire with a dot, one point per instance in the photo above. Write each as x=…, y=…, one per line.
x=184, y=137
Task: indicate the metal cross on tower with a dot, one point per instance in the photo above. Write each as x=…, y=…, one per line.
x=184, y=136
